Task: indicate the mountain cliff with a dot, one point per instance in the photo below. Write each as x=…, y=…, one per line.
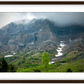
x=37, y=34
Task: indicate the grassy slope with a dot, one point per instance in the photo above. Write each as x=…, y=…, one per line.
x=29, y=62
x=76, y=66
x=69, y=62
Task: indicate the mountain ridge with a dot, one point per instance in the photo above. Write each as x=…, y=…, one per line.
x=36, y=34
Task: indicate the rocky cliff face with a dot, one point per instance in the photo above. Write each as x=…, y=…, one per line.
x=36, y=34
x=17, y=37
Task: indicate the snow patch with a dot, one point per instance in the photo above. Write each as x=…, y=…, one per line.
x=9, y=55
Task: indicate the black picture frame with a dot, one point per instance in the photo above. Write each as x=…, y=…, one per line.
x=41, y=81
x=41, y=3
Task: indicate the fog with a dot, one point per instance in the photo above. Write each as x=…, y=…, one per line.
x=60, y=18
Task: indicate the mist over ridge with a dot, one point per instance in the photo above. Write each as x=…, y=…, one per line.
x=60, y=18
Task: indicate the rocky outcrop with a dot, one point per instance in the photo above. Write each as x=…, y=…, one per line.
x=35, y=35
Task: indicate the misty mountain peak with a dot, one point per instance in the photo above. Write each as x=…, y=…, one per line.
x=24, y=21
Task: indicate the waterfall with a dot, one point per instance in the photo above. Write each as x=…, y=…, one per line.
x=59, y=50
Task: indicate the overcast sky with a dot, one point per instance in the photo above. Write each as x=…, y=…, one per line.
x=61, y=18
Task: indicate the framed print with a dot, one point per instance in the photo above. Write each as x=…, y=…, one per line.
x=41, y=42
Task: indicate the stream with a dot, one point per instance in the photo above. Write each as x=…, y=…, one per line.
x=59, y=50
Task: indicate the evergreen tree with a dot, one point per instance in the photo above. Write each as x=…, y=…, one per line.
x=4, y=65
x=0, y=66
x=45, y=63
x=69, y=70
x=11, y=68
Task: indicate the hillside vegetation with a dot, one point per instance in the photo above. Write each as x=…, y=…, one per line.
x=30, y=62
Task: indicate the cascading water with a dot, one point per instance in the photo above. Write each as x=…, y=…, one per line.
x=59, y=50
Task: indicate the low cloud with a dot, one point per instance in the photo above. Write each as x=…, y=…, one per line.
x=60, y=18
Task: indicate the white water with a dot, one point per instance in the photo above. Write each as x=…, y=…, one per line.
x=9, y=55
x=59, y=50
